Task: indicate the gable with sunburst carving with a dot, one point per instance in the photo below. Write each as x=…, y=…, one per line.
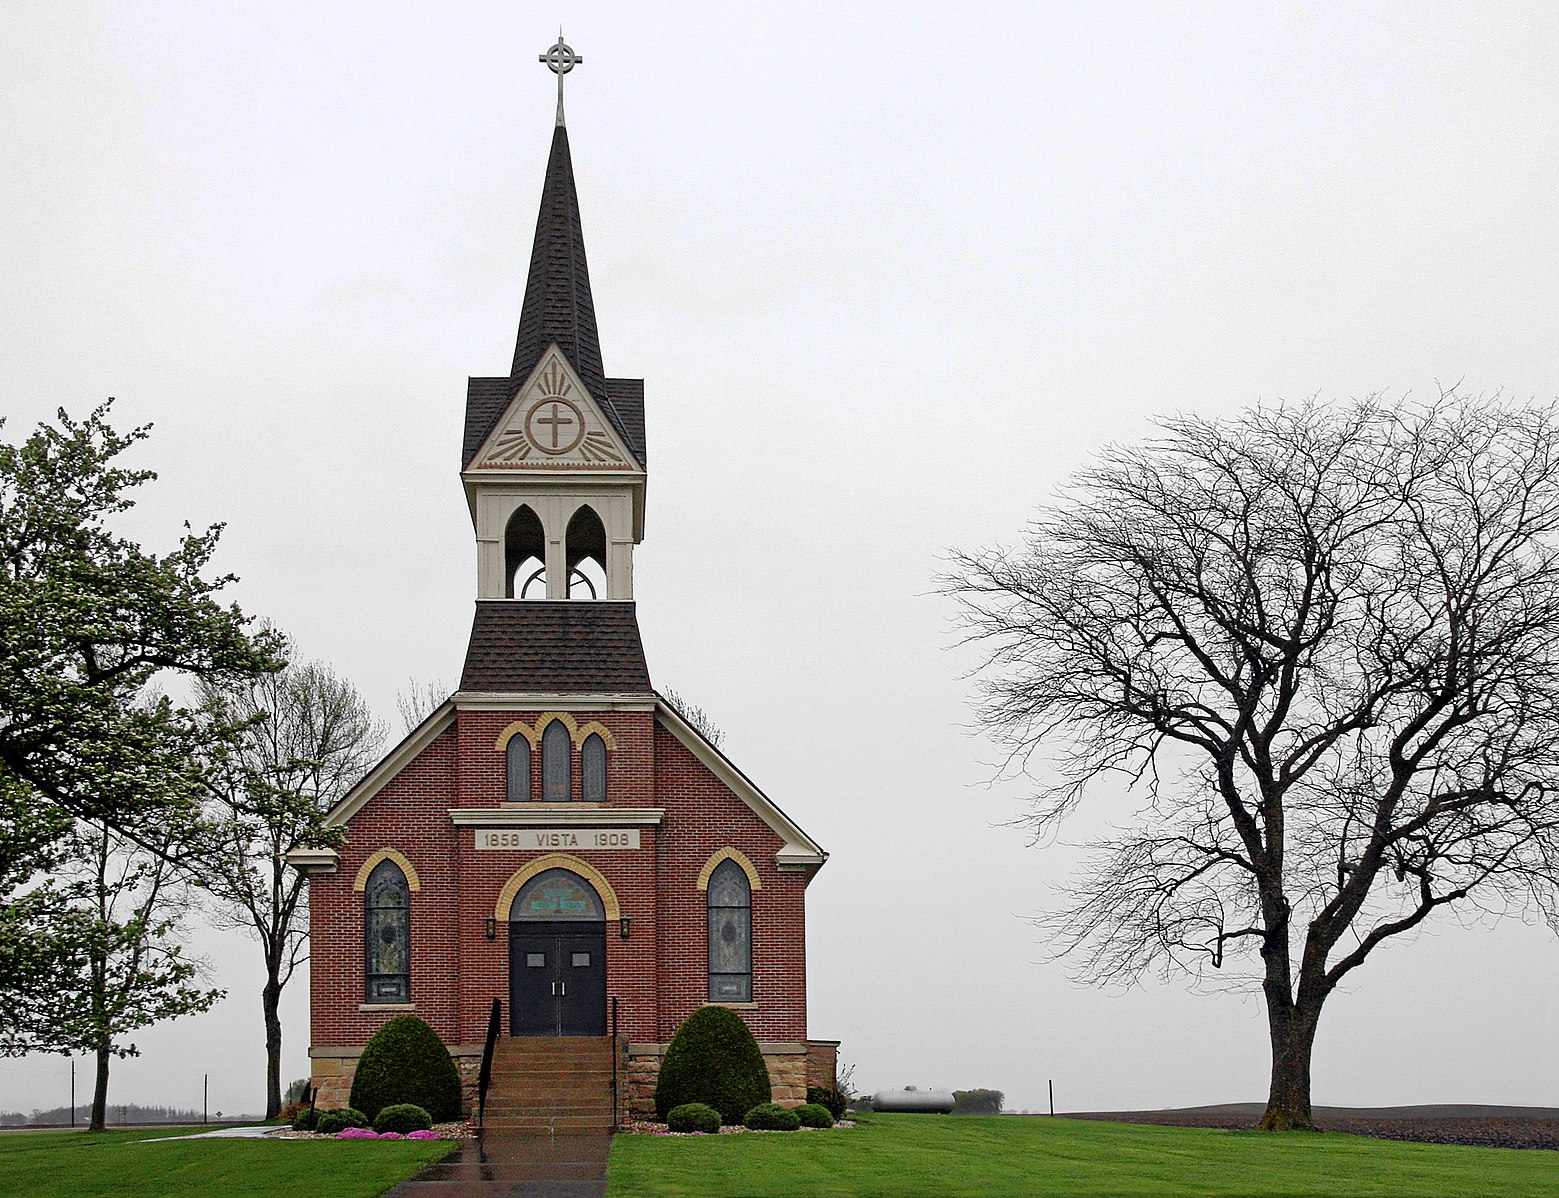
x=553, y=424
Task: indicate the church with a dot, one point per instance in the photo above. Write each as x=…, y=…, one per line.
x=556, y=836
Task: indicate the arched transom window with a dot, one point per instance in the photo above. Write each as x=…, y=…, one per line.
x=557, y=895
x=730, y=934
x=387, y=935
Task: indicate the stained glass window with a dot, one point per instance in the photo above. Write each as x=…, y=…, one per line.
x=592, y=768
x=556, y=784
x=557, y=894
x=387, y=935
x=730, y=934
x=518, y=758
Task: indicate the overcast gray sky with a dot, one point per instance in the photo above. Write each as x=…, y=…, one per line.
x=891, y=272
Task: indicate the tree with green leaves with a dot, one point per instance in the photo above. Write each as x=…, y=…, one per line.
x=128, y=969
x=306, y=737
x=89, y=620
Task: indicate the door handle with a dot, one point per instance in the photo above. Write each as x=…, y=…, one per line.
x=554, y=989
x=565, y=987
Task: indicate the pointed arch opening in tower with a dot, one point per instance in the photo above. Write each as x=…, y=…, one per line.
x=585, y=543
x=524, y=556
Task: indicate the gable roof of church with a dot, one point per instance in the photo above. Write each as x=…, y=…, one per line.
x=558, y=310
x=560, y=646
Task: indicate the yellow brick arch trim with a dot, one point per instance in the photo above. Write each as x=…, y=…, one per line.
x=728, y=854
x=518, y=728
x=412, y=881
x=526, y=872
x=561, y=717
x=600, y=730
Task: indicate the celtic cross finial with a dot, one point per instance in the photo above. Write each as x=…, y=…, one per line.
x=560, y=60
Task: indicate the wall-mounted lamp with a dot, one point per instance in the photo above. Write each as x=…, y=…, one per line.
x=623, y=926
x=492, y=927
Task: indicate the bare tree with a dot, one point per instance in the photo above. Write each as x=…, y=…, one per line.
x=309, y=737
x=701, y=720
x=418, y=701
x=1323, y=648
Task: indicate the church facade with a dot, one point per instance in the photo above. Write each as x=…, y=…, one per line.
x=556, y=835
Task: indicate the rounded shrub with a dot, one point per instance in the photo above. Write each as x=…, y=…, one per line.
x=814, y=1115
x=713, y=1059
x=827, y=1096
x=770, y=1116
x=406, y=1062
x=693, y=1116
x=305, y=1119
x=339, y=1119
x=403, y=1117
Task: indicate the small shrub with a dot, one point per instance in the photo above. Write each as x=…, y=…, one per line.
x=829, y=1098
x=713, y=1059
x=770, y=1116
x=402, y=1117
x=693, y=1116
x=815, y=1115
x=338, y=1120
x=297, y=1092
x=406, y=1062
x=305, y=1119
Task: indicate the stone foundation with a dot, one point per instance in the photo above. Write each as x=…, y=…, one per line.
x=793, y=1066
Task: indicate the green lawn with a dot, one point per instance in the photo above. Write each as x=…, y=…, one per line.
x=936, y=1155
x=88, y=1165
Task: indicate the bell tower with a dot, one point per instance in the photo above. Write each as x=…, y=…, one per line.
x=554, y=456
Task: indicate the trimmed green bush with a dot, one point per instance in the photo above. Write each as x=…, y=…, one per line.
x=770, y=1116
x=827, y=1096
x=305, y=1119
x=713, y=1059
x=406, y=1062
x=814, y=1114
x=693, y=1116
x=402, y=1117
x=339, y=1119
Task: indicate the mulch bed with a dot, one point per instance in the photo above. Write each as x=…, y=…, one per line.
x=1478, y=1131
x=445, y=1131
x=641, y=1128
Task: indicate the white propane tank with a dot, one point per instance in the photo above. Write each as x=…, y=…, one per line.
x=936, y=1102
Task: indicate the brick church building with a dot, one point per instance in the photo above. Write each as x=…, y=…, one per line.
x=556, y=835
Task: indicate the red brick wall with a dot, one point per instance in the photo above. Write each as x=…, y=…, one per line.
x=657, y=974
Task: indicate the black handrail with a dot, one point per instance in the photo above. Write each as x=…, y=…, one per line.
x=616, y=1052
x=485, y=1078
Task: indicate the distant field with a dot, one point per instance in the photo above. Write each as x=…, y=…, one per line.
x=100, y=1164
x=945, y=1155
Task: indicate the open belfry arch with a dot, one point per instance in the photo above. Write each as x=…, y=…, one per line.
x=555, y=836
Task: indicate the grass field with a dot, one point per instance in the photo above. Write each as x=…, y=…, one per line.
x=942, y=1155
x=95, y=1165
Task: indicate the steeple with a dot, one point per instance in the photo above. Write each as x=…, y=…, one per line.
x=558, y=307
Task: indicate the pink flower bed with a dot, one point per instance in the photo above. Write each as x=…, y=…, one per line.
x=363, y=1133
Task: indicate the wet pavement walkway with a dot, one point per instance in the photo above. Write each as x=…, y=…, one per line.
x=510, y=1165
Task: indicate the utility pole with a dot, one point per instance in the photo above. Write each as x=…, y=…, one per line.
x=205, y=1098
x=1052, y=1083
x=73, y=1091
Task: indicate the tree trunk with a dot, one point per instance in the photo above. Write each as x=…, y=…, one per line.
x=270, y=998
x=100, y=1092
x=1288, y=1100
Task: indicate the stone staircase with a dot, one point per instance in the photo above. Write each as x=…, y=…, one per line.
x=551, y=1085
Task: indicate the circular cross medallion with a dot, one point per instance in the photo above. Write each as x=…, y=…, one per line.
x=555, y=426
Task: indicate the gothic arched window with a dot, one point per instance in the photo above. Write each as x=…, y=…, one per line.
x=556, y=769
x=524, y=556
x=730, y=934
x=592, y=768
x=387, y=935
x=517, y=760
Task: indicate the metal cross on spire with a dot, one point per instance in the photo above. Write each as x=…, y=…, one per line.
x=560, y=60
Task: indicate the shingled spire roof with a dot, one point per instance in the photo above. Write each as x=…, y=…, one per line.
x=558, y=309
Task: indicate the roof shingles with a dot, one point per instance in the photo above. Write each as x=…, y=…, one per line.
x=523, y=646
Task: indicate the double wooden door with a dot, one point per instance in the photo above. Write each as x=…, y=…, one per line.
x=557, y=979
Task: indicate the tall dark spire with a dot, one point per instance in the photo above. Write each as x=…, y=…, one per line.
x=558, y=306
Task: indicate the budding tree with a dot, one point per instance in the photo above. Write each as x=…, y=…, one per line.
x=1322, y=646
